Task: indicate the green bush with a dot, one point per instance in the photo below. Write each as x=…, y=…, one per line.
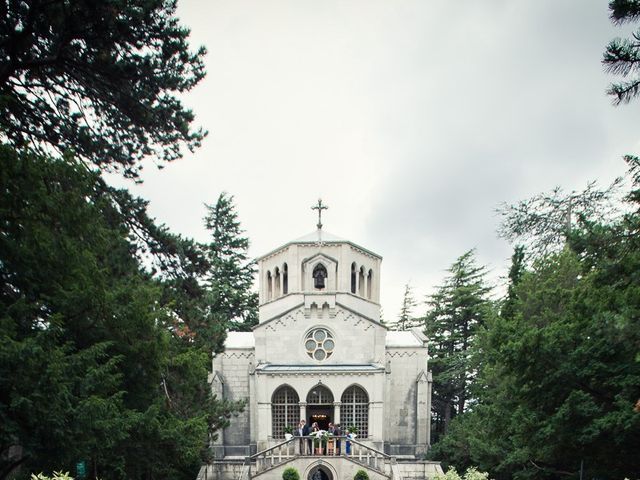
x=361, y=475
x=56, y=476
x=471, y=474
x=290, y=474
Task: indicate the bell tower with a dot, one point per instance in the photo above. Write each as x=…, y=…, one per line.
x=318, y=264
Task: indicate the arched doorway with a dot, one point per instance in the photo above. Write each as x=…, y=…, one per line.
x=320, y=472
x=320, y=406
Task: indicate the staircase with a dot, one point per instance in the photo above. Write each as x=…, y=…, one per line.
x=286, y=453
x=269, y=463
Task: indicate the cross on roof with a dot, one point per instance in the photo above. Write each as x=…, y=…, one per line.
x=319, y=207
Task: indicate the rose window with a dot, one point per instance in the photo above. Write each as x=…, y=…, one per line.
x=319, y=344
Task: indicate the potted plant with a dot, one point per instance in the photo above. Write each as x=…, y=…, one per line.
x=353, y=430
x=318, y=441
x=288, y=433
x=324, y=439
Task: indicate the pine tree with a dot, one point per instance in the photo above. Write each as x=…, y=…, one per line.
x=406, y=320
x=91, y=365
x=559, y=376
x=229, y=280
x=622, y=56
x=516, y=271
x=456, y=311
x=102, y=79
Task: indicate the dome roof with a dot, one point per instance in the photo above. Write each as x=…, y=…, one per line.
x=319, y=235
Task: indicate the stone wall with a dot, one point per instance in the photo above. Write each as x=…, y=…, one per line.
x=231, y=380
x=340, y=468
x=407, y=406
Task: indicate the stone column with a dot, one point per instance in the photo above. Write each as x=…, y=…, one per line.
x=303, y=411
x=303, y=444
x=376, y=419
x=336, y=412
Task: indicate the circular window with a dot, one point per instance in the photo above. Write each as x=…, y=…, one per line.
x=319, y=344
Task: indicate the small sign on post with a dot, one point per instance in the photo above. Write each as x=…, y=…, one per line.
x=81, y=470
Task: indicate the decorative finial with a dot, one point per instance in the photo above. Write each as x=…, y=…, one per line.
x=319, y=207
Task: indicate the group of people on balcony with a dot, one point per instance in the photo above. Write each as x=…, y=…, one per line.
x=314, y=441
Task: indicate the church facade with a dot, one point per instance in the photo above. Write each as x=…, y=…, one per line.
x=320, y=353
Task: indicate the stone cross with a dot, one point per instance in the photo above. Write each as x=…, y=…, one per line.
x=319, y=207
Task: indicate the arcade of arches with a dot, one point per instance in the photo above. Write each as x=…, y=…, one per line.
x=351, y=410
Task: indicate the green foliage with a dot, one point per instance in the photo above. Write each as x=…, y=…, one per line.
x=544, y=222
x=471, y=474
x=361, y=475
x=456, y=311
x=559, y=376
x=406, y=320
x=622, y=56
x=102, y=79
x=56, y=476
x=290, y=473
x=91, y=363
x=229, y=280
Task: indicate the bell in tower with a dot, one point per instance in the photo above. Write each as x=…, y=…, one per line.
x=319, y=275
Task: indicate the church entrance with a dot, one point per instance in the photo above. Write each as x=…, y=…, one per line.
x=320, y=473
x=320, y=406
x=321, y=414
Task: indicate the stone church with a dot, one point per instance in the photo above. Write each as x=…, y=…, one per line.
x=320, y=353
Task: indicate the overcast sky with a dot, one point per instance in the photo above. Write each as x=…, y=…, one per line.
x=412, y=120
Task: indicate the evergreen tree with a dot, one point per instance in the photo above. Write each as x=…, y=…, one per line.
x=91, y=364
x=101, y=79
x=622, y=56
x=544, y=222
x=516, y=271
x=456, y=311
x=559, y=377
x=229, y=280
x=406, y=320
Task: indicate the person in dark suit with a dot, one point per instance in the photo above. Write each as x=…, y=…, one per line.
x=302, y=430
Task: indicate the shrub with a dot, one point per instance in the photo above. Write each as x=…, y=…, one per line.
x=290, y=474
x=361, y=475
x=472, y=473
x=56, y=476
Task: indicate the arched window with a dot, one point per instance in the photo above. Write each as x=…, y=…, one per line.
x=355, y=410
x=320, y=395
x=353, y=277
x=269, y=286
x=319, y=276
x=276, y=282
x=285, y=279
x=361, y=282
x=285, y=410
x=369, y=282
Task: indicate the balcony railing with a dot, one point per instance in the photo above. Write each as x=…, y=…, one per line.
x=311, y=446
